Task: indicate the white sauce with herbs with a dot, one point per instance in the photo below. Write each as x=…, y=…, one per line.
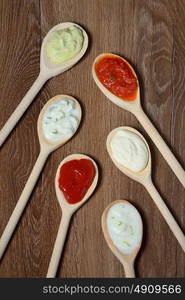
x=61, y=119
x=124, y=226
x=129, y=150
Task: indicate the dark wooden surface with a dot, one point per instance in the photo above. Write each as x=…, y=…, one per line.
x=151, y=35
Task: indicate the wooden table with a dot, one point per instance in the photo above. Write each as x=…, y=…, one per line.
x=151, y=35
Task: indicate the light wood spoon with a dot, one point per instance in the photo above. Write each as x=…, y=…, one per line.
x=135, y=108
x=67, y=212
x=47, y=71
x=46, y=147
x=144, y=177
x=127, y=260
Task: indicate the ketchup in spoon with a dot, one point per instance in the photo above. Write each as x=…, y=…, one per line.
x=76, y=176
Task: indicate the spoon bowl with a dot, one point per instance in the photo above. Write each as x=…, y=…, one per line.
x=46, y=147
x=52, y=69
x=126, y=259
x=67, y=212
x=144, y=177
x=137, y=176
x=135, y=108
x=44, y=142
x=47, y=70
x=130, y=106
x=60, y=196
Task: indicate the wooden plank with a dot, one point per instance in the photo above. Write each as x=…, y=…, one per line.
x=19, y=66
x=150, y=35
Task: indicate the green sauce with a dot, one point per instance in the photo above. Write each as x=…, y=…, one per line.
x=64, y=44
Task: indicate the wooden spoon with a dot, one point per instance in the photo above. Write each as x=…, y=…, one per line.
x=127, y=260
x=135, y=108
x=67, y=212
x=144, y=177
x=46, y=147
x=47, y=70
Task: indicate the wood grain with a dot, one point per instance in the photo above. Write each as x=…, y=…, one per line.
x=151, y=35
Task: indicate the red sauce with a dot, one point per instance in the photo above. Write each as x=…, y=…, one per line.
x=116, y=75
x=76, y=176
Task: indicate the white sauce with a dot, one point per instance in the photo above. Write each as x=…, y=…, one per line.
x=124, y=226
x=61, y=119
x=129, y=150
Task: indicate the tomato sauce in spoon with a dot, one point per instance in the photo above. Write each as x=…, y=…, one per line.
x=76, y=177
x=116, y=75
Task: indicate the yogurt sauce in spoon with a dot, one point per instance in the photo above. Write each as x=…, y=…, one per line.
x=123, y=231
x=61, y=119
x=124, y=225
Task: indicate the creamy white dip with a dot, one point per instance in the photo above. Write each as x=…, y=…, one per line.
x=129, y=150
x=124, y=226
x=61, y=119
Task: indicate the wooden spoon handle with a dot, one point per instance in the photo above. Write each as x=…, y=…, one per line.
x=166, y=213
x=59, y=244
x=161, y=145
x=19, y=208
x=129, y=270
x=21, y=108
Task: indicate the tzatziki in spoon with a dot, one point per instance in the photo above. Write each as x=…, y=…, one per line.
x=123, y=231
